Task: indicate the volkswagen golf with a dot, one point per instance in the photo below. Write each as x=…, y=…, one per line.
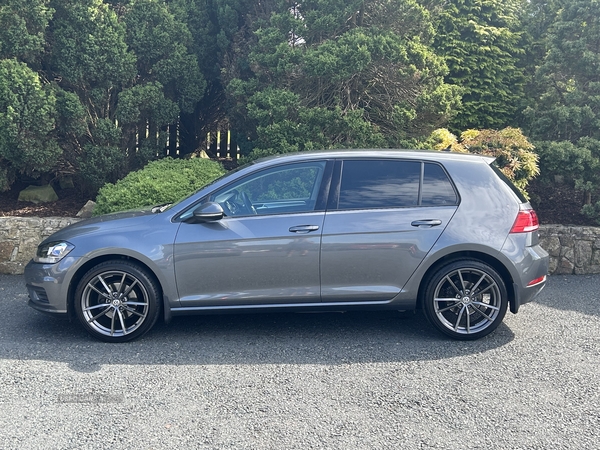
x=445, y=233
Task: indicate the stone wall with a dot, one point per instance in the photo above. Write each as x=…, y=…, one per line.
x=20, y=236
x=573, y=250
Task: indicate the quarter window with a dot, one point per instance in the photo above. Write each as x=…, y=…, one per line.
x=437, y=189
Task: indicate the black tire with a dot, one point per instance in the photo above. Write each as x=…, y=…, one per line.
x=465, y=299
x=117, y=301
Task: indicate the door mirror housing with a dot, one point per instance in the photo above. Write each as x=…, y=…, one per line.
x=207, y=212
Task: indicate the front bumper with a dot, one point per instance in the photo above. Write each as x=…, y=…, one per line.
x=45, y=284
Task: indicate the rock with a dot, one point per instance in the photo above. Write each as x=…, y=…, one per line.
x=6, y=250
x=565, y=267
x=552, y=265
x=551, y=244
x=38, y=194
x=87, y=210
x=583, y=253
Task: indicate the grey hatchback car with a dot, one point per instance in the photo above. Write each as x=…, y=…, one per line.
x=334, y=230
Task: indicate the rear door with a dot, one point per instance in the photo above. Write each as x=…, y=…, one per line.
x=383, y=218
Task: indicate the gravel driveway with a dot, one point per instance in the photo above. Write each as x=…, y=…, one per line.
x=279, y=381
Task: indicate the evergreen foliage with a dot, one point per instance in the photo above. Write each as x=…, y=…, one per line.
x=98, y=88
x=27, y=110
x=577, y=164
x=22, y=29
x=481, y=45
x=568, y=78
x=333, y=73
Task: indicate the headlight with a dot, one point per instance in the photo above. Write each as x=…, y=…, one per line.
x=53, y=252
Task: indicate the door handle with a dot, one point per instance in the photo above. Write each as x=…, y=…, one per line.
x=304, y=228
x=426, y=223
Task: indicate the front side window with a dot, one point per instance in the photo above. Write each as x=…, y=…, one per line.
x=282, y=189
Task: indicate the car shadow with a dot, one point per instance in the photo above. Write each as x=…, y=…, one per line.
x=282, y=338
x=286, y=338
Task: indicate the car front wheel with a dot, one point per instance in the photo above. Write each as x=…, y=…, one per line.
x=117, y=301
x=465, y=299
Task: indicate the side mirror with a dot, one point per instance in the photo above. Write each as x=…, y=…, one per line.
x=207, y=212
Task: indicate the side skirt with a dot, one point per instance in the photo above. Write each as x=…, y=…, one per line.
x=293, y=307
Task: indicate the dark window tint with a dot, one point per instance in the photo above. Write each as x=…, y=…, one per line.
x=379, y=184
x=437, y=189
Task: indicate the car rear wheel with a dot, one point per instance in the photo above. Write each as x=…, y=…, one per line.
x=465, y=299
x=117, y=301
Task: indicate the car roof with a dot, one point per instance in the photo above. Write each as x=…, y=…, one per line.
x=432, y=155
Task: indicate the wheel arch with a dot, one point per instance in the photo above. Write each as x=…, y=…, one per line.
x=84, y=268
x=495, y=263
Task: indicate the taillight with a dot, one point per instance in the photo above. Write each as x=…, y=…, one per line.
x=526, y=221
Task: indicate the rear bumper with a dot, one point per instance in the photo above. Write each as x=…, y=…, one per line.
x=531, y=292
x=532, y=265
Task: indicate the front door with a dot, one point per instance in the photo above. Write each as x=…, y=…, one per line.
x=266, y=249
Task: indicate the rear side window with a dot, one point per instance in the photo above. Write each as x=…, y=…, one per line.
x=394, y=184
x=379, y=184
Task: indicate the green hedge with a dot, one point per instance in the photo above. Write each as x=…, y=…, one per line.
x=164, y=181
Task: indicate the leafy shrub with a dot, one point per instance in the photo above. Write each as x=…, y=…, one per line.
x=577, y=164
x=163, y=181
x=513, y=152
x=99, y=165
x=443, y=139
x=592, y=211
x=562, y=159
